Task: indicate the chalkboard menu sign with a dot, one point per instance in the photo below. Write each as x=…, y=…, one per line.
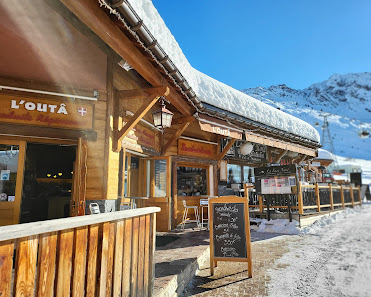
x=229, y=234
x=229, y=231
x=257, y=155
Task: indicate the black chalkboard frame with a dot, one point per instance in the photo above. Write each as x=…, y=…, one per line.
x=214, y=260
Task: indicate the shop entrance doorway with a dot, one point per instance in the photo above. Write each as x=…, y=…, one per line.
x=48, y=182
x=148, y=178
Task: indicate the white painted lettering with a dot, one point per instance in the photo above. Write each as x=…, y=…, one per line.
x=42, y=107
x=14, y=104
x=62, y=109
x=52, y=108
x=30, y=106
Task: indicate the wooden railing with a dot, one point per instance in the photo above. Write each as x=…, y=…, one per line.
x=328, y=197
x=108, y=254
x=310, y=197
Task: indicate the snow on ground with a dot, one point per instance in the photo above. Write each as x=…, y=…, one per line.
x=212, y=91
x=330, y=258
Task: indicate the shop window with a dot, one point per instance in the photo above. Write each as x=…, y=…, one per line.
x=8, y=169
x=234, y=174
x=238, y=174
x=191, y=181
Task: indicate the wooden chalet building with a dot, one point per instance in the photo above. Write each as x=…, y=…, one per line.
x=79, y=82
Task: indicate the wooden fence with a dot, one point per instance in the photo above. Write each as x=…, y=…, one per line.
x=108, y=254
x=311, y=198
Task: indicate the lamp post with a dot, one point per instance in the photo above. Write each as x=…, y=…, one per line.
x=162, y=117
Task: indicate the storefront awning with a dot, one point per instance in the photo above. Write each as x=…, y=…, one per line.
x=220, y=127
x=280, y=144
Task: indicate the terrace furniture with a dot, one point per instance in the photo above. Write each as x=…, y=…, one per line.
x=186, y=220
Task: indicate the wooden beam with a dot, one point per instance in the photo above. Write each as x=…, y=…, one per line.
x=146, y=106
x=143, y=93
x=182, y=120
x=96, y=18
x=280, y=156
x=301, y=159
x=176, y=135
x=269, y=154
x=226, y=149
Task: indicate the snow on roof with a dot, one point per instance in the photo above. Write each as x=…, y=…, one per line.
x=325, y=155
x=213, y=92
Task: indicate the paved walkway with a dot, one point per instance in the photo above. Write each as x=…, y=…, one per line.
x=231, y=278
x=176, y=263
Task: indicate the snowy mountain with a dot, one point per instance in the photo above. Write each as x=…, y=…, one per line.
x=346, y=99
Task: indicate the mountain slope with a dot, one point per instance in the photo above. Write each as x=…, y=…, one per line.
x=346, y=99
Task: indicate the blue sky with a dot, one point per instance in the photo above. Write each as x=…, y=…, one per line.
x=250, y=43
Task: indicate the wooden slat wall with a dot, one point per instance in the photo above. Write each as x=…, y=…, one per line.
x=95, y=160
x=72, y=263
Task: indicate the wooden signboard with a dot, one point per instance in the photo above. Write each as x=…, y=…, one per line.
x=43, y=112
x=229, y=231
x=196, y=149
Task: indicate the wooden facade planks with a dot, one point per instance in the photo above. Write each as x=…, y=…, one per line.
x=118, y=260
x=79, y=266
x=25, y=271
x=6, y=267
x=64, y=271
x=134, y=258
x=46, y=264
x=127, y=257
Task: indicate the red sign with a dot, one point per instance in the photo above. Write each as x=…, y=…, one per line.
x=196, y=149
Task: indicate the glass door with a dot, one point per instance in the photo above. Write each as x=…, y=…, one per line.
x=12, y=154
x=159, y=190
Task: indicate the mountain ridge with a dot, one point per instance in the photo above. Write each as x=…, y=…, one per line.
x=346, y=99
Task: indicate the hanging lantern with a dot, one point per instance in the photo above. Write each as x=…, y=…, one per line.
x=162, y=117
x=246, y=148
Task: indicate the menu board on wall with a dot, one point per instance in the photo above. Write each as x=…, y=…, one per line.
x=257, y=155
x=278, y=185
x=229, y=231
x=275, y=179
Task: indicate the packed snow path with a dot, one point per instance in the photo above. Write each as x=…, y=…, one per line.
x=329, y=260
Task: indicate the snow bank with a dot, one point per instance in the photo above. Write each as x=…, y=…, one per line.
x=214, y=92
x=284, y=226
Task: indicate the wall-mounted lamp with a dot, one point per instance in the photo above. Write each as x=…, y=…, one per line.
x=162, y=117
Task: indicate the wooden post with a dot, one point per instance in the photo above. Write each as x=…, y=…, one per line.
x=300, y=200
x=261, y=206
x=246, y=193
x=331, y=197
x=226, y=149
x=318, y=198
x=342, y=197
x=359, y=195
x=351, y=195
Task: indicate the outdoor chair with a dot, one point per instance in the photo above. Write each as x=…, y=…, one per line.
x=185, y=215
x=204, y=203
x=94, y=208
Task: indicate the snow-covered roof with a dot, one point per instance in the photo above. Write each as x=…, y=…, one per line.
x=213, y=92
x=325, y=155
